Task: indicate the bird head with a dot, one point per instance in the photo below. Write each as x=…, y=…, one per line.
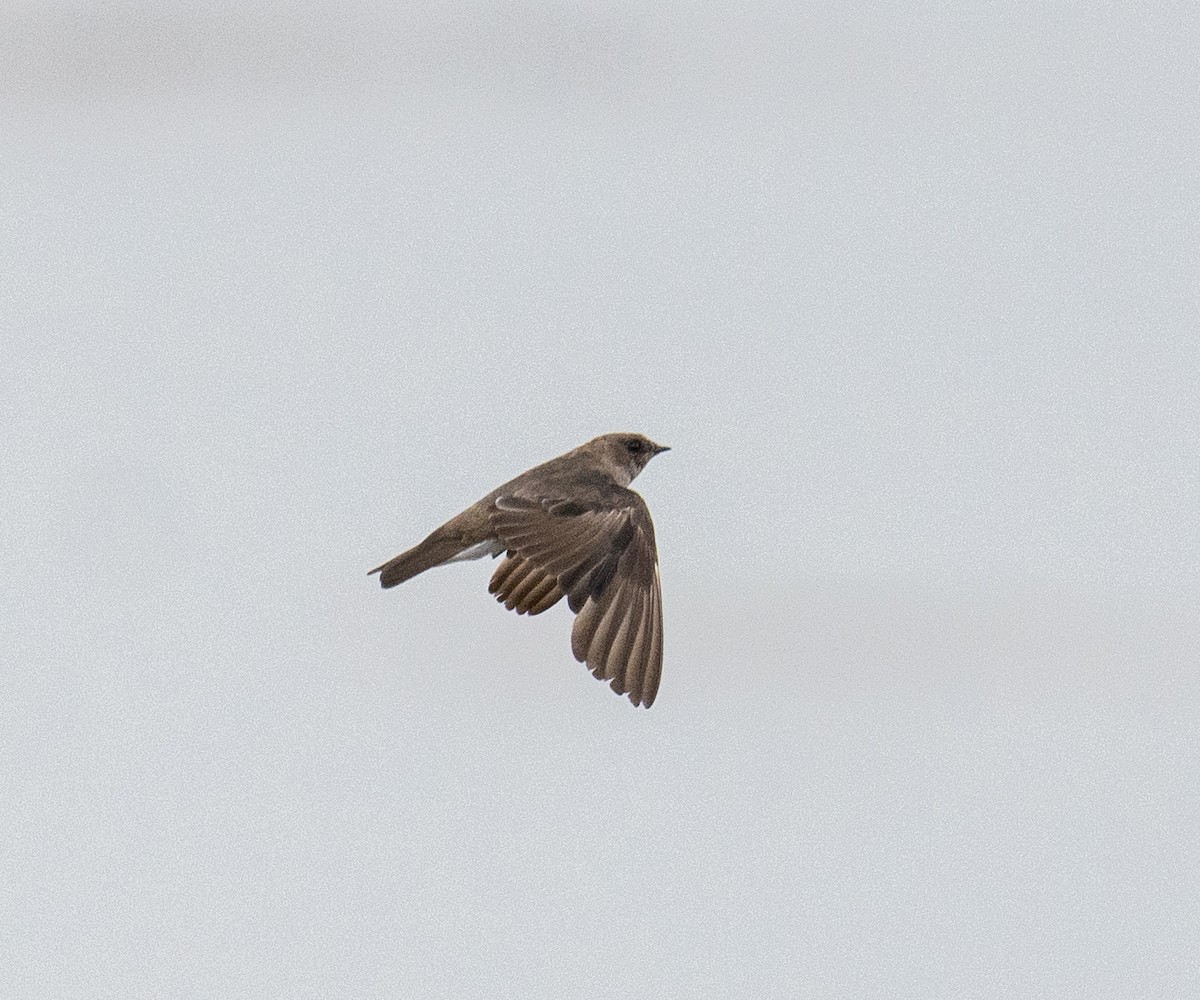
x=624, y=455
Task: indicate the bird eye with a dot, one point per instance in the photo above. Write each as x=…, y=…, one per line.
x=634, y=446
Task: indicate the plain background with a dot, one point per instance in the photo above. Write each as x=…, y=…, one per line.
x=912, y=292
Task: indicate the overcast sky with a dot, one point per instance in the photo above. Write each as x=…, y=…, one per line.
x=911, y=291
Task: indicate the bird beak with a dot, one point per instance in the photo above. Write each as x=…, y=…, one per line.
x=660, y=448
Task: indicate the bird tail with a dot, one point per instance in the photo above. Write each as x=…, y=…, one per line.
x=436, y=550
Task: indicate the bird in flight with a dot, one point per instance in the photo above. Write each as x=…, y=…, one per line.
x=570, y=527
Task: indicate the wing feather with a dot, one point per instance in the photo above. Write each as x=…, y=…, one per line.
x=545, y=597
x=654, y=661
x=524, y=587
x=602, y=557
x=639, y=645
x=531, y=580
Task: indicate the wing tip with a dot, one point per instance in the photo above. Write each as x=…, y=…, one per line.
x=637, y=699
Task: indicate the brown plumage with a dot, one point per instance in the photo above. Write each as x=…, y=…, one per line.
x=570, y=528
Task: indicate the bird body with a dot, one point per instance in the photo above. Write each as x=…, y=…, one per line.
x=569, y=527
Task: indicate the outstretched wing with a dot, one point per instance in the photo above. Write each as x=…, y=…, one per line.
x=602, y=557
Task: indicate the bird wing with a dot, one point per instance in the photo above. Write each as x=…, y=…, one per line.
x=602, y=557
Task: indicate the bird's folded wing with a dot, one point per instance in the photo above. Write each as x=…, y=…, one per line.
x=602, y=556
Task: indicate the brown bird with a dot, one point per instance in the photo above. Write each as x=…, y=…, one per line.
x=569, y=527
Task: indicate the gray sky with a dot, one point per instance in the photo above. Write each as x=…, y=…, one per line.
x=913, y=294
